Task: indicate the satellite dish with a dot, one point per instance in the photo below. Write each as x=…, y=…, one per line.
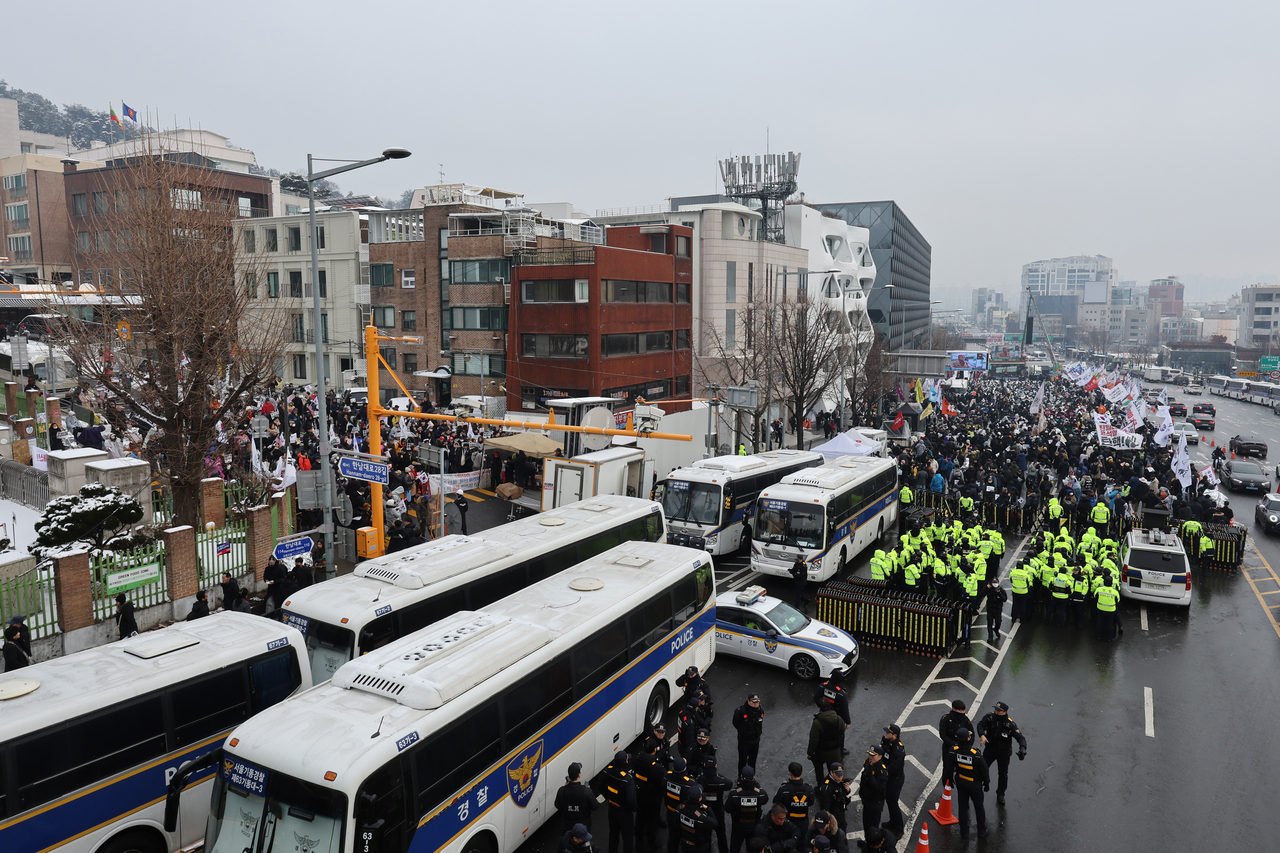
x=600, y=418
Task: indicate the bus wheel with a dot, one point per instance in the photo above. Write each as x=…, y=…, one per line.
x=744, y=544
x=658, y=705
x=880, y=531
x=481, y=842
x=843, y=562
x=135, y=841
x=804, y=667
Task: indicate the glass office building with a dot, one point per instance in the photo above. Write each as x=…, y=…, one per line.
x=902, y=257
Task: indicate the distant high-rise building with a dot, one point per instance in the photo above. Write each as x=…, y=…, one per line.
x=1165, y=296
x=1259, y=316
x=1084, y=276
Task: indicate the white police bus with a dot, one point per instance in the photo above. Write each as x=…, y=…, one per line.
x=1217, y=384
x=710, y=505
x=454, y=738
x=826, y=515
x=89, y=741
x=396, y=594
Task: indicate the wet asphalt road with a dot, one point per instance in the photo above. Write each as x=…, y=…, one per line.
x=1095, y=777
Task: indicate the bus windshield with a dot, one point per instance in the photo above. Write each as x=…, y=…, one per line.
x=328, y=646
x=696, y=502
x=799, y=525
x=262, y=810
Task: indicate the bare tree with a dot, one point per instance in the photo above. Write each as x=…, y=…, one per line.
x=869, y=379
x=193, y=352
x=809, y=340
x=741, y=358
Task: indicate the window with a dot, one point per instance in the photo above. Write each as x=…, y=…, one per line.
x=250, y=241
x=320, y=237
x=388, y=355
x=407, y=279
x=730, y=329
x=683, y=385
x=100, y=204
x=599, y=657
x=272, y=243
x=292, y=209
x=485, y=319
x=656, y=341
x=295, y=238
x=682, y=338
x=731, y=281
x=618, y=345
x=481, y=271
x=444, y=240
x=537, y=700
x=409, y=362
x=244, y=207
x=103, y=239
x=381, y=809
x=183, y=199
x=106, y=278
x=210, y=705
x=649, y=624
x=324, y=330
x=15, y=182
x=298, y=328
x=295, y=284
x=384, y=316
x=554, y=290
x=16, y=212
x=682, y=246
x=299, y=367
x=456, y=755
x=658, y=243
x=636, y=291
x=79, y=204
x=1262, y=310
x=324, y=283
x=1177, y=293
x=20, y=247
x=381, y=275
x=82, y=241
x=1264, y=297
x=251, y=285
x=273, y=285
x=409, y=320
x=469, y=364
x=655, y=389
x=553, y=346
x=1262, y=324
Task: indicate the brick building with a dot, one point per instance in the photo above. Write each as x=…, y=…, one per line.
x=603, y=320
x=36, y=231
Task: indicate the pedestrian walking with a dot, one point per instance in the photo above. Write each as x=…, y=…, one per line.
x=895, y=756
x=972, y=781
x=748, y=719
x=15, y=657
x=833, y=690
x=997, y=732
x=745, y=807
x=574, y=801
x=460, y=501
x=124, y=616
x=622, y=801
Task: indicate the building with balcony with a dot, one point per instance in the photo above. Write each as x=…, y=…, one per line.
x=35, y=233
x=612, y=320
x=275, y=253
x=1259, y=317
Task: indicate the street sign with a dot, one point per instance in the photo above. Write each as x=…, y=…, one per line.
x=1270, y=363
x=293, y=548
x=123, y=332
x=1275, y=375
x=261, y=426
x=1246, y=373
x=363, y=469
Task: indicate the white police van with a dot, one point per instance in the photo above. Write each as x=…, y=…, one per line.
x=1154, y=567
x=752, y=624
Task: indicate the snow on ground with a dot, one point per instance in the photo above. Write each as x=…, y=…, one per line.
x=19, y=523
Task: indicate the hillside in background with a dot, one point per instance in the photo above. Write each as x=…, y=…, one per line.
x=82, y=124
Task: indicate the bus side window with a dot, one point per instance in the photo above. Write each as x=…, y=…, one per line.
x=380, y=815
x=490, y=589
x=206, y=706
x=376, y=634
x=599, y=543
x=599, y=657
x=537, y=700
x=653, y=527
x=650, y=623
x=456, y=755
x=272, y=679
x=4, y=774
x=551, y=564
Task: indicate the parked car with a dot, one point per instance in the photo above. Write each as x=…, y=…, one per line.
x=1177, y=409
x=757, y=626
x=1194, y=390
x=1203, y=422
x=1193, y=437
x=1248, y=445
x=1266, y=514
x=1204, y=409
x=1242, y=475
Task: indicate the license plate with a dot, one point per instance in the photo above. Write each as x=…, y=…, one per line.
x=1158, y=587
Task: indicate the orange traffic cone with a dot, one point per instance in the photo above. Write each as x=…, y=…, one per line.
x=922, y=846
x=942, y=814
x=1233, y=454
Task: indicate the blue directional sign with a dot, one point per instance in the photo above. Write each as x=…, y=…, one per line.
x=363, y=469
x=292, y=548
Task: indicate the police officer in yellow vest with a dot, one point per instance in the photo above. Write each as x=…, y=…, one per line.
x=905, y=496
x=1100, y=515
x=878, y=561
x=742, y=450
x=1060, y=589
x=1020, y=579
x=1108, y=596
x=1207, y=546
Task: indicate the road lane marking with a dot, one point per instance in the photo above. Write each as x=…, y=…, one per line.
x=1150, y=711
x=1142, y=610
x=1253, y=584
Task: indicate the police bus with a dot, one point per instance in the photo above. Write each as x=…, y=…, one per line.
x=710, y=505
x=1235, y=388
x=396, y=594
x=454, y=738
x=1217, y=385
x=1263, y=393
x=89, y=741
x=826, y=515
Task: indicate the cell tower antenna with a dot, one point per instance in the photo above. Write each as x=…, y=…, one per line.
x=769, y=179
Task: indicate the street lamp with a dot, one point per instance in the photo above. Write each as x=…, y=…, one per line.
x=322, y=408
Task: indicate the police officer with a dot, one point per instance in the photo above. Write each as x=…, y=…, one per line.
x=895, y=757
x=1021, y=581
x=972, y=780
x=1100, y=516
x=676, y=784
x=696, y=822
x=872, y=785
x=905, y=497
x=748, y=719
x=996, y=597
x=797, y=797
x=715, y=788
x=1079, y=597
x=659, y=736
x=689, y=721
x=574, y=800
x=576, y=840
x=825, y=733
x=833, y=690
x=745, y=805
x=800, y=575
x=778, y=831
x=1107, y=598
x=648, y=775
x=952, y=722
x=834, y=794
x=998, y=732
x=691, y=683
x=620, y=795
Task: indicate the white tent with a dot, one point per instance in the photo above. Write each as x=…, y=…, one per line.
x=851, y=443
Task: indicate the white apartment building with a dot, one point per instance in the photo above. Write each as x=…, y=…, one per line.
x=1259, y=316
x=1078, y=275
x=278, y=249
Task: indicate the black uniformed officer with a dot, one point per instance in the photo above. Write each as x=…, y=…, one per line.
x=574, y=800
x=748, y=719
x=675, y=785
x=998, y=732
x=834, y=794
x=895, y=755
x=745, y=807
x=796, y=796
x=714, y=790
x=659, y=734
x=700, y=750
x=620, y=796
x=972, y=780
x=951, y=722
x=778, y=831
x=692, y=683
x=648, y=772
x=879, y=839
x=833, y=690
x=576, y=840
x=871, y=787
x=696, y=823
x=689, y=721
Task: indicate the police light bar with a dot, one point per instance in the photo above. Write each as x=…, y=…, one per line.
x=751, y=595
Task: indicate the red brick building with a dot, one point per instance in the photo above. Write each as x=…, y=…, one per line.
x=612, y=320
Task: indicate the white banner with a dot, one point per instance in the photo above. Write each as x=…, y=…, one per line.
x=1165, y=433
x=1207, y=471
x=1133, y=417
x=1164, y=397
x=453, y=482
x=1038, y=403
x=1109, y=436
x=1115, y=393
x=1182, y=463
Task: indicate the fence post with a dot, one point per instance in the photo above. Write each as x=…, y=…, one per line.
x=181, y=564
x=283, y=504
x=73, y=590
x=258, y=540
x=11, y=400
x=33, y=404
x=213, y=506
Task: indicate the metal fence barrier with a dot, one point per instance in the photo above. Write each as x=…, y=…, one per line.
x=893, y=620
x=24, y=484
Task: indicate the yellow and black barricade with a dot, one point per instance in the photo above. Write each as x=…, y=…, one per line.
x=890, y=619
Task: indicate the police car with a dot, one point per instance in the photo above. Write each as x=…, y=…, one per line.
x=754, y=625
x=1154, y=567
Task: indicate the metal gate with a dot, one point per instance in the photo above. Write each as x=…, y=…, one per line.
x=24, y=484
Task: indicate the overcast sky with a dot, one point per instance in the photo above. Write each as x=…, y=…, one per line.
x=1008, y=132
